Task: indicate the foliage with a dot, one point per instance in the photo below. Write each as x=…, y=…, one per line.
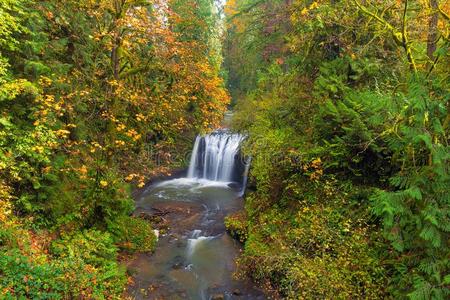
x=93, y=247
x=415, y=213
x=237, y=226
x=20, y=278
x=351, y=133
x=346, y=107
x=95, y=97
x=79, y=265
x=133, y=234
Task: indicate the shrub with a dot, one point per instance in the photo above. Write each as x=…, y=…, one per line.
x=23, y=277
x=350, y=132
x=237, y=226
x=91, y=246
x=89, y=260
x=40, y=277
x=7, y=237
x=415, y=208
x=133, y=234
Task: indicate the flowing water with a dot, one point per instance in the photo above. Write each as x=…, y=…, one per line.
x=216, y=157
x=195, y=258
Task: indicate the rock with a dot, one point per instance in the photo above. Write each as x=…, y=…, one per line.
x=217, y=297
x=132, y=271
x=237, y=292
x=234, y=185
x=156, y=232
x=178, y=263
x=177, y=266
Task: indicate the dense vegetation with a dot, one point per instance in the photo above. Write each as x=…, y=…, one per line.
x=346, y=105
x=93, y=95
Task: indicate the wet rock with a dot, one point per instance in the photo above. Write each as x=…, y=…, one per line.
x=177, y=266
x=177, y=263
x=182, y=293
x=152, y=287
x=157, y=221
x=237, y=292
x=234, y=185
x=132, y=271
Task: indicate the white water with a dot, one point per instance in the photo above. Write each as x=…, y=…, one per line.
x=193, y=183
x=215, y=156
x=196, y=233
x=195, y=243
x=194, y=158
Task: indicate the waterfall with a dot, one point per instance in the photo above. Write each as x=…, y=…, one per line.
x=216, y=157
x=195, y=243
x=244, y=179
x=194, y=156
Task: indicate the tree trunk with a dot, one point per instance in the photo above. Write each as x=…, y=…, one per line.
x=432, y=32
x=115, y=57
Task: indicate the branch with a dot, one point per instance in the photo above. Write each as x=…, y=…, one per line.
x=400, y=38
x=446, y=17
x=246, y=9
x=432, y=66
x=395, y=34
x=368, y=12
x=405, y=41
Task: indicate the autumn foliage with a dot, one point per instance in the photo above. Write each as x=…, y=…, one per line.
x=346, y=107
x=95, y=97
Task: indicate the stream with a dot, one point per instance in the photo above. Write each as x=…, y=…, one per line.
x=195, y=256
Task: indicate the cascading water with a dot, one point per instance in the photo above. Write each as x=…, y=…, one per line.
x=216, y=157
x=195, y=258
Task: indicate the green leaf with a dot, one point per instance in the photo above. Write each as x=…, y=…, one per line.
x=426, y=138
x=5, y=122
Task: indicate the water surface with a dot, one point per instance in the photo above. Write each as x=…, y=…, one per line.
x=195, y=259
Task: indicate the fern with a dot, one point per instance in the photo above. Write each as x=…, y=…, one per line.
x=416, y=211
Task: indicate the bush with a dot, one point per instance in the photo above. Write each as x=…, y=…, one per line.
x=90, y=258
x=40, y=277
x=366, y=191
x=7, y=237
x=415, y=208
x=237, y=226
x=316, y=249
x=91, y=246
x=133, y=234
x=350, y=133
x=309, y=230
x=23, y=277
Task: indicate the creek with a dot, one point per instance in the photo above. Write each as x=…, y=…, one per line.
x=195, y=257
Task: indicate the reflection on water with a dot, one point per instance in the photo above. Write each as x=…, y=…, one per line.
x=195, y=259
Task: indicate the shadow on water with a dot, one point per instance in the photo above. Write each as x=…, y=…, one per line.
x=195, y=259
